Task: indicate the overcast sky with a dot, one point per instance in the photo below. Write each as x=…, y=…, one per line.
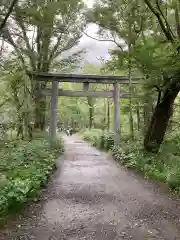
x=94, y=49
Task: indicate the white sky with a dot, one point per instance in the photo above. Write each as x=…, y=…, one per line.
x=95, y=49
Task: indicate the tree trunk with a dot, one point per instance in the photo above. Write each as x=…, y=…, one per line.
x=160, y=119
x=20, y=132
x=40, y=107
x=108, y=115
x=138, y=117
x=90, y=104
x=147, y=112
x=131, y=121
x=40, y=100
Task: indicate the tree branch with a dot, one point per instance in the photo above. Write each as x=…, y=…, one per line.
x=165, y=20
x=104, y=40
x=8, y=38
x=55, y=48
x=5, y=101
x=26, y=40
x=68, y=46
x=14, y=2
x=158, y=16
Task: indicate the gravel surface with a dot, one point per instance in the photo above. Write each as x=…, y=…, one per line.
x=92, y=197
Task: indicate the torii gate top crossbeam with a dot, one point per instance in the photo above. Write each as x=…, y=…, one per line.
x=63, y=77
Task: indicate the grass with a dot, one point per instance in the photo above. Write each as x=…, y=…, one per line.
x=24, y=167
x=163, y=167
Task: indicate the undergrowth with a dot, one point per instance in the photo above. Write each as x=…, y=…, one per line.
x=100, y=139
x=24, y=168
x=164, y=166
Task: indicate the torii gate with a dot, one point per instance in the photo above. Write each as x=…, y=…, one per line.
x=55, y=78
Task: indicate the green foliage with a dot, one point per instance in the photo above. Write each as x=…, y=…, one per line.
x=24, y=168
x=108, y=140
x=100, y=139
x=93, y=136
x=58, y=27
x=164, y=166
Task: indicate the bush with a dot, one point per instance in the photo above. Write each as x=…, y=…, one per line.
x=93, y=136
x=24, y=168
x=100, y=139
x=164, y=166
x=108, y=141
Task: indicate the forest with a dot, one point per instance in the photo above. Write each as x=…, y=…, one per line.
x=36, y=36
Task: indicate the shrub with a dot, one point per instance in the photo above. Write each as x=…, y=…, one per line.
x=164, y=166
x=93, y=136
x=108, y=140
x=24, y=168
x=100, y=139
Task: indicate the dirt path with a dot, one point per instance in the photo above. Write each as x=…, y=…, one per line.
x=92, y=197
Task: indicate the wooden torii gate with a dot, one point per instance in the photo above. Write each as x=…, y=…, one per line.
x=56, y=78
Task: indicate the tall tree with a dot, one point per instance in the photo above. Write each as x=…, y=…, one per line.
x=40, y=32
x=171, y=80
x=158, y=22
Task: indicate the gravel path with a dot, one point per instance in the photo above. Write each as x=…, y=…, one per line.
x=92, y=197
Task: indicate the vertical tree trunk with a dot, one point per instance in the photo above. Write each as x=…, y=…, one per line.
x=108, y=115
x=160, y=119
x=40, y=107
x=91, y=112
x=138, y=117
x=131, y=122
x=147, y=112
x=40, y=100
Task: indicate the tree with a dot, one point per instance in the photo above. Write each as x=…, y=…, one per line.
x=150, y=21
x=115, y=17
x=42, y=31
x=91, y=69
x=171, y=80
x=7, y=15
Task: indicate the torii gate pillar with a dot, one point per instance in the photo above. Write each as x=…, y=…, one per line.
x=117, y=111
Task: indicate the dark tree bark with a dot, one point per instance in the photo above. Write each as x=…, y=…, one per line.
x=10, y=10
x=40, y=100
x=138, y=118
x=163, y=110
x=160, y=119
x=40, y=107
x=91, y=112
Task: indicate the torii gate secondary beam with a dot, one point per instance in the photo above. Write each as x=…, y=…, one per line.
x=95, y=94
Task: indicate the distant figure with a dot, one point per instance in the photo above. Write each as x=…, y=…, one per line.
x=69, y=131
